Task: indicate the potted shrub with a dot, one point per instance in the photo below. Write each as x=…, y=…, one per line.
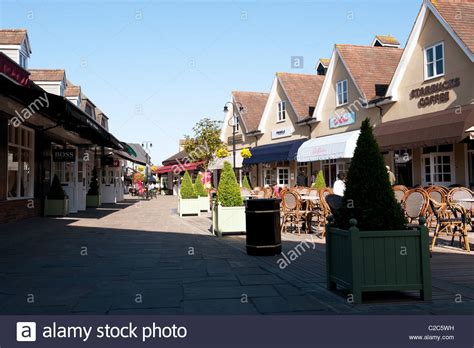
x=201, y=192
x=57, y=201
x=188, y=202
x=246, y=184
x=228, y=215
x=369, y=246
x=319, y=183
x=93, y=195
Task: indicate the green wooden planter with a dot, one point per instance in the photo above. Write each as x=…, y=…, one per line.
x=93, y=201
x=56, y=207
x=362, y=261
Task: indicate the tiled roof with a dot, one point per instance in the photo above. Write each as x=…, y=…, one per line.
x=254, y=104
x=47, y=74
x=387, y=40
x=72, y=91
x=370, y=66
x=302, y=91
x=459, y=15
x=177, y=156
x=12, y=36
x=324, y=61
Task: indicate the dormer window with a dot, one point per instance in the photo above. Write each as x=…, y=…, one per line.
x=89, y=110
x=434, y=61
x=281, y=111
x=341, y=93
x=23, y=61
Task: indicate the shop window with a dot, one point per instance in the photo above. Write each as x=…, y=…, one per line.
x=281, y=111
x=20, y=178
x=438, y=169
x=268, y=178
x=434, y=61
x=404, y=167
x=283, y=176
x=341, y=89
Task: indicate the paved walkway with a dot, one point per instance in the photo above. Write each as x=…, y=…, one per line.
x=142, y=258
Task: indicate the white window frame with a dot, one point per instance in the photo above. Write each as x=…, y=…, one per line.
x=435, y=59
x=342, y=92
x=431, y=156
x=19, y=174
x=281, y=111
x=288, y=176
x=23, y=60
x=264, y=172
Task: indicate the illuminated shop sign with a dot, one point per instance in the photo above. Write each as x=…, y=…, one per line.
x=436, y=93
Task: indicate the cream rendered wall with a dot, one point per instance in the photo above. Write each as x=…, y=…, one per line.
x=457, y=64
x=271, y=123
x=12, y=53
x=329, y=108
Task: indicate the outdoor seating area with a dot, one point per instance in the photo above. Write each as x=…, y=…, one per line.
x=448, y=211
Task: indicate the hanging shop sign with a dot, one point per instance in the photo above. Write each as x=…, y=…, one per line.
x=64, y=155
x=283, y=132
x=436, y=93
x=342, y=120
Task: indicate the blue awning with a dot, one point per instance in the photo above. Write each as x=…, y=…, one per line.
x=284, y=151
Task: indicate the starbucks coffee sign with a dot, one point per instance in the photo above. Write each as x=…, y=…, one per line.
x=436, y=93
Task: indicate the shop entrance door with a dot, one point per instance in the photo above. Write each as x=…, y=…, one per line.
x=67, y=174
x=84, y=172
x=108, y=185
x=438, y=169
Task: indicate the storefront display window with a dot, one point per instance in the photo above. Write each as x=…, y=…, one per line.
x=20, y=162
x=268, y=177
x=333, y=167
x=403, y=160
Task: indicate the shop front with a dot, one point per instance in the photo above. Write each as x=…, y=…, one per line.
x=331, y=154
x=275, y=164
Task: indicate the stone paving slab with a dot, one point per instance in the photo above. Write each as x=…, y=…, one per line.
x=175, y=266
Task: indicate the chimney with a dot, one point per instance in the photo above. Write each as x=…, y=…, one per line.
x=385, y=41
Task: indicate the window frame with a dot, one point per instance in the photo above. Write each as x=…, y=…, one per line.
x=433, y=170
x=346, y=92
x=435, y=59
x=278, y=176
x=17, y=144
x=281, y=111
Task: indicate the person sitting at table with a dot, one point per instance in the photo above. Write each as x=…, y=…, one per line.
x=340, y=185
x=276, y=191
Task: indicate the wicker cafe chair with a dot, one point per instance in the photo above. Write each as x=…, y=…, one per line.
x=451, y=219
x=439, y=195
x=267, y=192
x=259, y=193
x=325, y=209
x=461, y=193
x=415, y=203
x=399, y=191
x=291, y=210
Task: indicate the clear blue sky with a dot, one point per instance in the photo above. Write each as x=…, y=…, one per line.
x=156, y=68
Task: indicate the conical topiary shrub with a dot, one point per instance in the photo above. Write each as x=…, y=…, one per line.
x=369, y=197
x=94, y=185
x=199, y=187
x=246, y=183
x=319, y=183
x=56, y=191
x=228, y=191
x=187, y=188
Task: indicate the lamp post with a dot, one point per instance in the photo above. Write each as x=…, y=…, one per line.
x=236, y=106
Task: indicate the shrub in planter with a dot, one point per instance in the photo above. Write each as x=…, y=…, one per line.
x=319, y=183
x=246, y=183
x=202, y=194
x=57, y=201
x=368, y=245
x=188, y=202
x=93, y=195
x=229, y=212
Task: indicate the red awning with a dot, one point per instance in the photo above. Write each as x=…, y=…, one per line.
x=177, y=168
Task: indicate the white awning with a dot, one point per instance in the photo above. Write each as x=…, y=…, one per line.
x=335, y=146
x=218, y=163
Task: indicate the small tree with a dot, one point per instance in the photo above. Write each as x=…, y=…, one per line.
x=369, y=197
x=187, y=188
x=206, y=140
x=94, y=185
x=56, y=190
x=246, y=183
x=228, y=191
x=319, y=183
x=199, y=187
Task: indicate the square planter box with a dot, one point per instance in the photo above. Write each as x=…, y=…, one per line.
x=188, y=206
x=56, y=207
x=362, y=261
x=228, y=220
x=204, y=203
x=93, y=201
